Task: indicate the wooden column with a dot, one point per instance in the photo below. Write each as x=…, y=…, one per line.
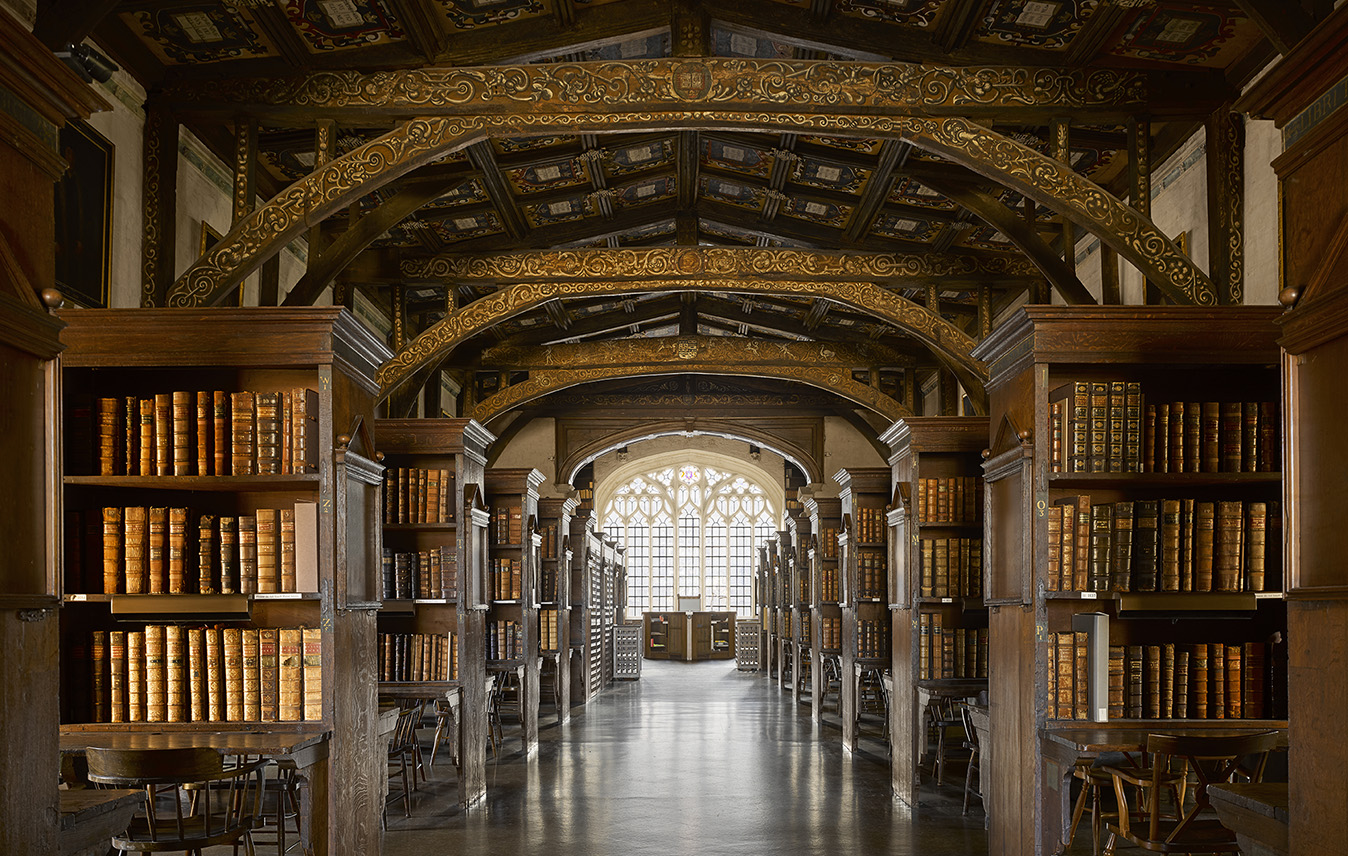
x=1060, y=149
x=159, y=204
x=1139, y=182
x=1226, y=204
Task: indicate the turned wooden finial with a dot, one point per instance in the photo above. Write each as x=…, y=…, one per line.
x=53, y=298
x=1289, y=296
x=1024, y=435
x=343, y=440
x=379, y=456
x=987, y=453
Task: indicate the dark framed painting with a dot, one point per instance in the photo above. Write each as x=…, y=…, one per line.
x=83, y=209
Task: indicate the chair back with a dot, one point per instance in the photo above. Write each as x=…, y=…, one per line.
x=1211, y=760
x=405, y=730
x=193, y=799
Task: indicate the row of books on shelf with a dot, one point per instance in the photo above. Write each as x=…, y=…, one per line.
x=547, y=629
x=872, y=574
x=547, y=585
x=505, y=640
x=1167, y=681
x=427, y=574
x=506, y=579
x=802, y=583
x=1107, y=426
x=945, y=653
x=418, y=657
x=418, y=495
x=828, y=585
x=507, y=525
x=156, y=550
x=175, y=673
x=870, y=525
x=186, y=433
x=872, y=639
x=803, y=627
x=549, y=536
x=831, y=634
x=950, y=499
x=828, y=542
x=951, y=567
x=1163, y=545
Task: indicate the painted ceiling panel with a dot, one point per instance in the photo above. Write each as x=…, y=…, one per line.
x=832, y=176
x=737, y=157
x=1036, y=23
x=199, y=33
x=329, y=25
x=918, y=13
x=1190, y=34
x=475, y=14
x=551, y=175
x=560, y=210
x=816, y=211
x=732, y=192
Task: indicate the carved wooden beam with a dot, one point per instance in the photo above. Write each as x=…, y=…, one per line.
x=676, y=350
x=159, y=205
x=485, y=160
x=1226, y=204
x=544, y=382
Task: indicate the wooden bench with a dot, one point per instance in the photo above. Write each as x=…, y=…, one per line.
x=90, y=817
x=1256, y=813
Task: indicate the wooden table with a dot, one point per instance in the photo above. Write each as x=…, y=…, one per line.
x=304, y=745
x=91, y=816
x=1061, y=747
x=1256, y=813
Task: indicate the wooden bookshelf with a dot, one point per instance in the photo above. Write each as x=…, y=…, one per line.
x=825, y=612
x=586, y=607
x=515, y=555
x=798, y=586
x=554, y=521
x=1174, y=354
x=928, y=454
x=864, y=581
x=139, y=354
x=457, y=448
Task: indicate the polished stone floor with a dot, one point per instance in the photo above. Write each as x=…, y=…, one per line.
x=690, y=759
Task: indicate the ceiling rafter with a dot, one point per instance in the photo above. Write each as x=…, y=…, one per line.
x=509, y=210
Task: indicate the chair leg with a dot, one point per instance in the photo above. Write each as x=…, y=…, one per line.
x=1110, y=843
x=968, y=779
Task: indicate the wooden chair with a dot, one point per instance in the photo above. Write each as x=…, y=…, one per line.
x=1207, y=760
x=401, y=752
x=193, y=800
x=945, y=728
x=495, y=732
x=973, y=771
x=446, y=728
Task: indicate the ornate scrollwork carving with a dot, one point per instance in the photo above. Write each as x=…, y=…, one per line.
x=637, y=263
x=540, y=383
x=682, y=349
x=443, y=336
x=682, y=82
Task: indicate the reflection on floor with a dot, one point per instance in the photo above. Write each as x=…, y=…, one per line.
x=690, y=759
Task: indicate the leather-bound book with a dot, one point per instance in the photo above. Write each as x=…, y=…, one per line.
x=291, y=693
x=176, y=562
x=221, y=443
x=1198, y=681
x=196, y=674
x=433, y=497
x=1209, y=444
x=1228, y=550
x=1121, y=548
x=1134, y=675
x=1178, y=463
x=156, y=699
x=204, y=434
x=175, y=674
x=287, y=432
x=114, y=563
x=1205, y=521
x=1161, y=443
x=1167, y=680
x=1098, y=436
x=1152, y=687
x=184, y=451
x=215, y=676
x=99, y=691
x=156, y=562
x=390, y=496
x=1116, y=682
x=131, y=435
x=117, y=676
x=1080, y=683
x=268, y=550
x=1057, y=415
x=1053, y=580
x=135, y=548
x=1132, y=427
x=1193, y=437
x=247, y=554
x=1229, y=435
x=208, y=554
x=1217, y=675
x=423, y=585
x=231, y=641
x=423, y=488
x=285, y=570
x=147, y=437
x=1181, y=683
x=1272, y=563
x=252, y=696
x=1065, y=656
x=229, y=555
x=135, y=676
x=304, y=432
x=1102, y=531
x=1255, y=681
x=163, y=434
x=434, y=575
x=111, y=437
x=1188, y=543
x=243, y=431
x=1235, y=704
x=1146, y=544
x=268, y=667
x=1249, y=436
x=1270, y=451
x=267, y=436
x=1114, y=460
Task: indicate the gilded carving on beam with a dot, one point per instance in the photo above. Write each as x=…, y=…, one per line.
x=419, y=141
x=778, y=263
x=681, y=82
x=443, y=336
x=540, y=383
x=150, y=213
x=682, y=349
x=1233, y=174
x=680, y=402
